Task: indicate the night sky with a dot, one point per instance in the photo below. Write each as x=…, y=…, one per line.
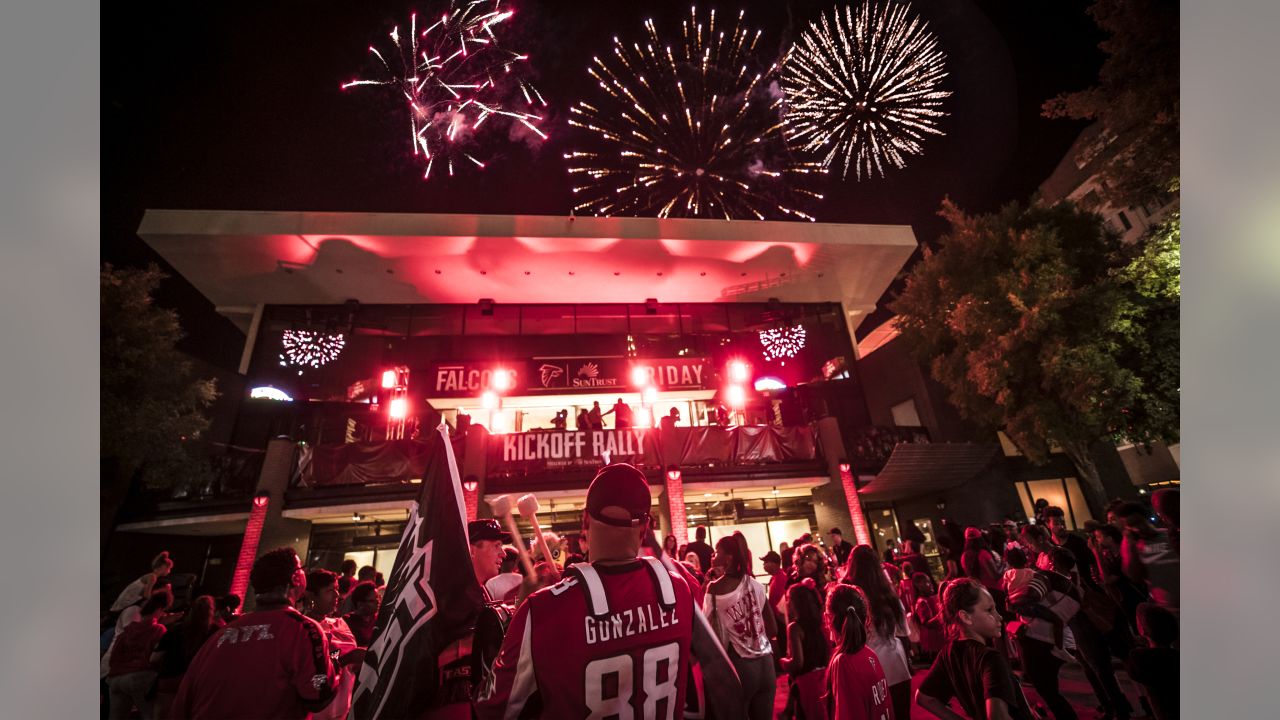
x=237, y=106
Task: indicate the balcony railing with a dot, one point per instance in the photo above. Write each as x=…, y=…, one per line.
x=869, y=447
x=566, y=454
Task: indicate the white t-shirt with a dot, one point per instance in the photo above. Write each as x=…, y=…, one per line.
x=889, y=650
x=738, y=618
x=499, y=585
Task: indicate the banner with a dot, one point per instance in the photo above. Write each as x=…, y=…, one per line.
x=431, y=599
x=552, y=449
x=560, y=375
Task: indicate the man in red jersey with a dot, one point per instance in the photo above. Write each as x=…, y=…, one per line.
x=270, y=663
x=613, y=637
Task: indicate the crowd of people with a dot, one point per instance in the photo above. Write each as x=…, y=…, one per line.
x=612, y=622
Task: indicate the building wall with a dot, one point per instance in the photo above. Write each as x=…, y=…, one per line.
x=890, y=375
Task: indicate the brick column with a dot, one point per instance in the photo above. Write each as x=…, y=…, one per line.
x=674, y=496
x=276, y=529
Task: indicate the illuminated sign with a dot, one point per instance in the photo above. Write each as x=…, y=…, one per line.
x=269, y=393
x=558, y=375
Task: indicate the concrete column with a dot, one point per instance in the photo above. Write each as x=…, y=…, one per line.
x=277, y=530
x=836, y=503
x=474, y=465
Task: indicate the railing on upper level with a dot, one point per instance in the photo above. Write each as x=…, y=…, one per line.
x=563, y=454
x=868, y=447
x=218, y=474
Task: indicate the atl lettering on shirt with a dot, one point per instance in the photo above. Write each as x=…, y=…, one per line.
x=606, y=641
x=270, y=663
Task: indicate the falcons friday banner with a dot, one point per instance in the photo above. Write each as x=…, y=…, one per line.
x=429, y=601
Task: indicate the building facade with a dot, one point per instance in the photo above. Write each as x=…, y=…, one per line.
x=719, y=356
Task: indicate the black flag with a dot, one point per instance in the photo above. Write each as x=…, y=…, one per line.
x=431, y=599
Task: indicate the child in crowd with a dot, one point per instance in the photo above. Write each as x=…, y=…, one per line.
x=968, y=669
x=854, y=684
x=928, y=614
x=1155, y=667
x=1024, y=599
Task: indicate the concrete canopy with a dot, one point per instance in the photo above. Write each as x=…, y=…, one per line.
x=240, y=260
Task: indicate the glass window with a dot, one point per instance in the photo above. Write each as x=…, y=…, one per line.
x=602, y=319
x=655, y=319
x=1124, y=220
x=503, y=319
x=546, y=320
x=1078, y=512
x=436, y=320
x=698, y=318
x=905, y=415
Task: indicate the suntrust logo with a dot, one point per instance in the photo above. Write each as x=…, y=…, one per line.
x=589, y=377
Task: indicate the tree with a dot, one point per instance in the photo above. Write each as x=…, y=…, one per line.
x=150, y=402
x=1135, y=99
x=1042, y=323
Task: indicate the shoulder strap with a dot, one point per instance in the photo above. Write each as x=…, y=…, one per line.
x=596, y=599
x=666, y=591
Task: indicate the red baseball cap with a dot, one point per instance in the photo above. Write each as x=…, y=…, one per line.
x=619, y=496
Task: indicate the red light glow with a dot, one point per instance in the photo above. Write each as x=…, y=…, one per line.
x=398, y=409
x=650, y=395
x=844, y=468
x=739, y=371
x=673, y=474
x=260, y=501
x=489, y=400
x=388, y=378
x=736, y=396
x=501, y=380
x=640, y=376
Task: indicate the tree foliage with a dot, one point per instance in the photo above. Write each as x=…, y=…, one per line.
x=1136, y=99
x=1042, y=323
x=151, y=401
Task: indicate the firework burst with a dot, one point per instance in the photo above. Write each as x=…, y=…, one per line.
x=312, y=349
x=686, y=129
x=864, y=88
x=453, y=76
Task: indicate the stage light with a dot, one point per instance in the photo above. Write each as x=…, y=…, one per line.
x=261, y=500
x=736, y=396
x=388, y=378
x=501, y=380
x=398, y=409
x=639, y=376
x=844, y=467
x=470, y=484
x=489, y=400
x=673, y=474
x=739, y=372
x=650, y=395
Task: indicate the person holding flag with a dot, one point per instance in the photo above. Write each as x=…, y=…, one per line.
x=614, y=636
x=429, y=607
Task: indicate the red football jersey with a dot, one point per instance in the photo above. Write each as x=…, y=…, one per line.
x=857, y=688
x=266, y=664
x=607, y=640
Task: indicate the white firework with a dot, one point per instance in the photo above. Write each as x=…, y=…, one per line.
x=783, y=342
x=310, y=349
x=864, y=88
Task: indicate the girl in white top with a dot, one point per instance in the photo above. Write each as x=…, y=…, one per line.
x=886, y=623
x=738, y=608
